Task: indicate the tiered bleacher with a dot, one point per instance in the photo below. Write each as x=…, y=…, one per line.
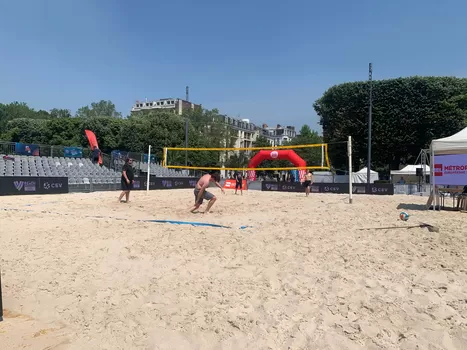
x=78, y=170
x=158, y=170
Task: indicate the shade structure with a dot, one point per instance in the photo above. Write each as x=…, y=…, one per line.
x=454, y=144
x=410, y=170
x=361, y=176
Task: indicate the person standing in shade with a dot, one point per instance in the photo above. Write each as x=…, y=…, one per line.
x=308, y=182
x=127, y=180
x=238, y=182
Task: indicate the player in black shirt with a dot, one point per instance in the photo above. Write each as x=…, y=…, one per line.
x=238, y=182
x=95, y=155
x=127, y=180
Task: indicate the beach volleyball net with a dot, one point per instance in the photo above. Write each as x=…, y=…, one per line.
x=251, y=160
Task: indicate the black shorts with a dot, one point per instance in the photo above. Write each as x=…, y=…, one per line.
x=126, y=186
x=238, y=185
x=307, y=183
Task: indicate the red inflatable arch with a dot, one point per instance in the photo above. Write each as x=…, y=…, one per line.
x=273, y=155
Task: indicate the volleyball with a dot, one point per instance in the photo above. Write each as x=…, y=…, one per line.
x=404, y=216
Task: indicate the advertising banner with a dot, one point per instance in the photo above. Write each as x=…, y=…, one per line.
x=450, y=169
x=21, y=185
x=26, y=149
x=53, y=185
x=163, y=183
x=73, y=152
x=339, y=188
x=230, y=184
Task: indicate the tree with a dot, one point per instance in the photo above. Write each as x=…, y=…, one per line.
x=407, y=114
x=60, y=113
x=17, y=110
x=99, y=109
x=26, y=130
x=108, y=131
x=306, y=136
x=237, y=160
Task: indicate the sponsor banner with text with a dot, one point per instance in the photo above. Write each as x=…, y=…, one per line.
x=230, y=184
x=451, y=169
x=21, y=185
x=163, y=183
x=340, y=188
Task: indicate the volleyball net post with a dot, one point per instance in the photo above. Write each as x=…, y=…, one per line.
x=149, y=169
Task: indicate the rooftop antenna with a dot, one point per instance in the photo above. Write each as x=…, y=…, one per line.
x=187, y=94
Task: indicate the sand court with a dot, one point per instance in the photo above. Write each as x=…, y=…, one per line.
x=79, y=271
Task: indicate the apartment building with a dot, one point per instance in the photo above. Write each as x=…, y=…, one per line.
x=246, y=132
x=278, y=135
x=176, y=105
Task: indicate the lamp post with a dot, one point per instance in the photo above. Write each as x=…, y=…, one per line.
x=368, y=170
x=187, y=96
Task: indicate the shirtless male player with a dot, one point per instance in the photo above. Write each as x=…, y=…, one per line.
x=201, y=193
x=308, y=182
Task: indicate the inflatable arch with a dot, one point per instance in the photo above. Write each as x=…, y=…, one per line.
x=275, y=155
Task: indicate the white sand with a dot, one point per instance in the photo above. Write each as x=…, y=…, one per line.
x=302, y=277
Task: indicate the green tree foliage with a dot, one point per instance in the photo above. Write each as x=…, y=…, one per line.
x=237, y=160
x=98, y=109
x=306, y=136
x=25, y=130
x=407, y=114
x=17, y=110
x=60, y=113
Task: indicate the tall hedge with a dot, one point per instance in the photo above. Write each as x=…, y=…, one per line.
x=407, y=114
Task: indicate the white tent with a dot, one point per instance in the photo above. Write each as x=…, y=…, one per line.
x=408, y=173
x=410, y=170
x=454, y=144
x=360, y=176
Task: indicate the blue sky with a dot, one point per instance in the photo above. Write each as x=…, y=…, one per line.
x=263, y=60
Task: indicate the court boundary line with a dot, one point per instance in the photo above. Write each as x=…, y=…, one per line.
x=160, y=221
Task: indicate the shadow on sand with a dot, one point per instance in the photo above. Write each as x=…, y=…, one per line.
x=411, y=206
x=422, y=207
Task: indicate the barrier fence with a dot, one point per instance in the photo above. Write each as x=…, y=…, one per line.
x=340, y=188
x=23, y=185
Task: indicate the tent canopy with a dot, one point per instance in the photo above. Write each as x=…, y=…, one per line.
x=454, y=144
x=361, y=176
x=410, y=170
x=364, y=171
